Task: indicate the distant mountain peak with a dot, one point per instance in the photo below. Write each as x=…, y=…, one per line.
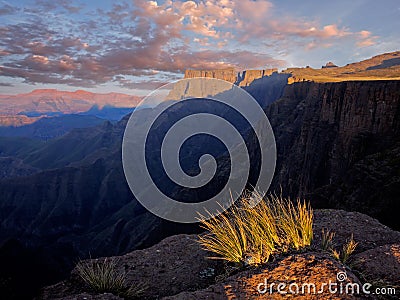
x=330, y=64
x=42, y=102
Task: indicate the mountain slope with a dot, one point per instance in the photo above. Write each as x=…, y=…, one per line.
x=48, y=128
x=381, y=67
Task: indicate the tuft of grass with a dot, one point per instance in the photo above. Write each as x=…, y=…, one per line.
x=249, y=234
x=327, y=239
x=335, y=254
x=348, y=249
x=294, y=222
x=101, y=276
x=227, y=237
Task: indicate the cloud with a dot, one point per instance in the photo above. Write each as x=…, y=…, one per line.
x=56, y=4
x=7, y=9
x=366, y=39
x=48, y=43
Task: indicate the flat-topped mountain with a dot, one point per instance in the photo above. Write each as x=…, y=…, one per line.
x=243, y=78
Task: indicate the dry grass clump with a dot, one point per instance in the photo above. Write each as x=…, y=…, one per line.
x=327, y=240
x=101, y=276
x=248, y=234
x=348, y=249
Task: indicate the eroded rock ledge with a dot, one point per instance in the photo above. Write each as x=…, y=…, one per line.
x=177, y=267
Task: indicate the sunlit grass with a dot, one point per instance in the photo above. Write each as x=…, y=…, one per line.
x=348, y=249
x=248, y=234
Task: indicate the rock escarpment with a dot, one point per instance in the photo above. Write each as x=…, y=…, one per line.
x=337, y=144
x=265, y=86
x=243, y=78
x=229, y=75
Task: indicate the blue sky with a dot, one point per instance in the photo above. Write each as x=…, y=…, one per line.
x=136, y=46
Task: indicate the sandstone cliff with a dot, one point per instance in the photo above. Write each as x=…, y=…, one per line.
x=229, y=75
x=247, y=77
x=244, y=78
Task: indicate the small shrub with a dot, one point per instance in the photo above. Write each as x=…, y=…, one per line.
x=248, y=234
x=102, y=277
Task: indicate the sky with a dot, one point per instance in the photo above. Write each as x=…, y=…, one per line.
x=136, y=46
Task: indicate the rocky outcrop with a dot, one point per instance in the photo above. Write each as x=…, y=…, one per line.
x=382, y=263
x=329, y=65
x=177, y=267
x=312, y=268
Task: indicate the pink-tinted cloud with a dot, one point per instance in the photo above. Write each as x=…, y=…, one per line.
x=366, y=39
x=126, y=41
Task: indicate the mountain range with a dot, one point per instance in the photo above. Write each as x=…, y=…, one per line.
x=23, y=109
x=337, y=142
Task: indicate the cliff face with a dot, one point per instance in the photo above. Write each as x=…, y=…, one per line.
x=265, y=86
x=337, y=141
x=247, y=77
x=229, y=75
x=325, y=130
x=244, y=78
